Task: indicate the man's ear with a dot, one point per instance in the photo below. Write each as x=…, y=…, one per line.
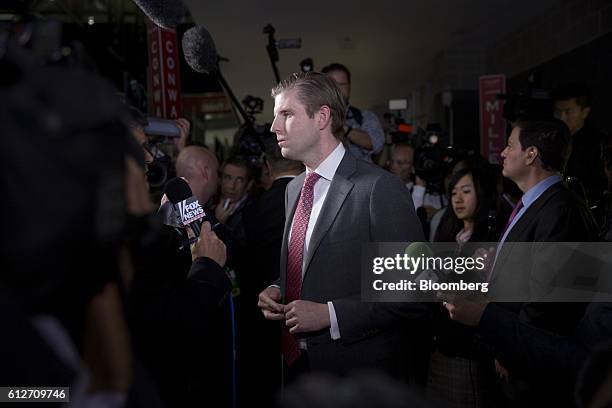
x=324, y=118
x=532, y=154
x=204, y=171
x=585, y=112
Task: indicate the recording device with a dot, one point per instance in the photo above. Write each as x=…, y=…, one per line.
x=307, y=65
x=158, y=171
x=253, y=105
x=162, y=127
x=429, y=165
x=400, y=131
x=419, y=249
x=186, y=206
x=437, y=275
x=201, y=56
x=164, y=13
x=161, y=168
x=200, y=51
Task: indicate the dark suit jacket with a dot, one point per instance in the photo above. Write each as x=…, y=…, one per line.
x=364, y=204
x=536, y=352
x=180, y=323
x=264, y=221
x=520, y=274
x=523, y=276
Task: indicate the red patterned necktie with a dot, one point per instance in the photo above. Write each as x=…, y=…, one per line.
x=295, y=257
x=515, y=211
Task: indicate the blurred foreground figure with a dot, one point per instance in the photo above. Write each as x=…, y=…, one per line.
x=63, y=171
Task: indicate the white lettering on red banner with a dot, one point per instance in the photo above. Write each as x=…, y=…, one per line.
x=165, y=86
x=492, y=123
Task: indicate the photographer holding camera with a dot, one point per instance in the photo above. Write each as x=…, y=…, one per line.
x=362, y=129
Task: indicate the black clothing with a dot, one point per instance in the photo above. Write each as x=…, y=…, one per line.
x=585, y=163
x=181, y=324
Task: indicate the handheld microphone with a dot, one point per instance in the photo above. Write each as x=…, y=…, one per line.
x=185, y=204
x=169, y=216
x=418, y=250
x=164, y=13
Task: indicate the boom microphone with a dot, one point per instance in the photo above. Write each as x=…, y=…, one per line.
x=201, y=55
x=164, y=13
x=200, y=51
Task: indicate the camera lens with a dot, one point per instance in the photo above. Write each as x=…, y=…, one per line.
x=157, y=174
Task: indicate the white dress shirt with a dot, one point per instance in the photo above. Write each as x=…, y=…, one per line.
x=327, y=170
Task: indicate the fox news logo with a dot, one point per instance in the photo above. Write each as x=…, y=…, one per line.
x=190, y=210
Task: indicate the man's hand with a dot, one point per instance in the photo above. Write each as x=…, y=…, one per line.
x=430, y=211
x=184, y=127
x=420, y=182
x=304, y=316
x=360, y=138
x=268, y=303
x=224, y=209
x=502, y=372
x=465, y=311
x=209, y=245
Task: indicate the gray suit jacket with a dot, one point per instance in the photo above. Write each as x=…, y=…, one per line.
x=364, y=204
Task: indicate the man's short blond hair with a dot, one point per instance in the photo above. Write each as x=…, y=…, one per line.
x=314, y=90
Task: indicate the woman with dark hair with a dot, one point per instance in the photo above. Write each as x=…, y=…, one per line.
x=461, y=373
x=473, y=199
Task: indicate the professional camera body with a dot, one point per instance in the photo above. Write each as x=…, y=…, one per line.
x=251, y=137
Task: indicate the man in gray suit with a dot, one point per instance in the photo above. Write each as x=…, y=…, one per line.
x=331, y=209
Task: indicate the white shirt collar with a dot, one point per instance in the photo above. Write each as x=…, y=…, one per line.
x=327, y=168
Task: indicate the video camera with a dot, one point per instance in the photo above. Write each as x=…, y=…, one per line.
x=160, y=133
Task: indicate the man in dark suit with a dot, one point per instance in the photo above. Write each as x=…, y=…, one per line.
x=264, y=221
x=535, y=353
x=338, y=204
x=535, y=155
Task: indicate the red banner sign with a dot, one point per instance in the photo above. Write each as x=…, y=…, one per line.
x=164, y=73
x=492, y=122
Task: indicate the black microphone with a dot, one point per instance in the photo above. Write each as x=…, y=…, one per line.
x=164, y=13
x=185, y=204
x=200, y=51
x=201, y=55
